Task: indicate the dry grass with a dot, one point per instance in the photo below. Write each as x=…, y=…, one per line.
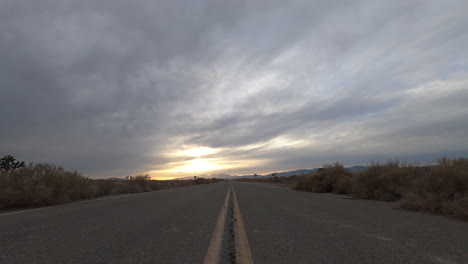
x=441, y=188
x=46, y=184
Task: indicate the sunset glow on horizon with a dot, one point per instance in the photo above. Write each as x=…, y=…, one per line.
x=195, y=161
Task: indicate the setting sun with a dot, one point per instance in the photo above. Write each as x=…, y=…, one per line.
x=200, y=165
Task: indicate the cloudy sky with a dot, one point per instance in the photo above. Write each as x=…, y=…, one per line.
x=180, y=88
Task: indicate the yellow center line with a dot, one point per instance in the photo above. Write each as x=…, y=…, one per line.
x=213, y=256
x=243, y=255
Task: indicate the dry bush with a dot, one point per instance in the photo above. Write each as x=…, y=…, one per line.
x=387, y=182
x=440, y=188
x=201, y=181
x=443, y=190
x=289, y=181
x=342, y=185
x=143, y=183
x=45, y=184
x=331, y=178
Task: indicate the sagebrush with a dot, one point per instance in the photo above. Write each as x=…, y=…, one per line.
x=440, y=188
x=46, y=184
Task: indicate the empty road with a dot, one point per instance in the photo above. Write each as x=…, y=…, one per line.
x=230, y=222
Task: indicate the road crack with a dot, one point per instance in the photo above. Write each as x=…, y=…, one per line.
x=231, y=242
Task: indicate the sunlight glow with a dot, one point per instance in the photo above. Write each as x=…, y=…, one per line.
x=193, y=160
x=200, y=165
x=196, y=152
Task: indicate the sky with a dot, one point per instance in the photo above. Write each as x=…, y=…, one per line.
x=179, y=88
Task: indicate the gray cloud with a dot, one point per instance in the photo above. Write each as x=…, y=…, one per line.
x=113, y=87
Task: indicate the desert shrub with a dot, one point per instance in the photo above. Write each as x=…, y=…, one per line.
x=342, y=185
x=133, y=184
x=290, y=181
x=42, y=184
x=143, y=182
x=46, y=184
x=385, y=182
x=331, y=178
x=443, y=190
x=201, y=181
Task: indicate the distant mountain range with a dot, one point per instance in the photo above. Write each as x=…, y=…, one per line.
x=278, y=174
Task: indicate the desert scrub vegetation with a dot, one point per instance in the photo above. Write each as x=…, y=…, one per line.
x=43, y=184
x=441, y=188
x=9, y=163
x=331, y=178
x=288, y=181
x=46, y=184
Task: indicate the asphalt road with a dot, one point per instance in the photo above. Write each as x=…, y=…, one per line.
x=286, y=226
x=168, y=226
x=281, y=226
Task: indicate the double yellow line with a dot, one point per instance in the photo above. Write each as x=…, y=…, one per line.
x=242, y=249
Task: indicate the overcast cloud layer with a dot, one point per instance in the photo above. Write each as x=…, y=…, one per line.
x=117, y=87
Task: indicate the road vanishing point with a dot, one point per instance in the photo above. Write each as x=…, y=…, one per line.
x=230, y=222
